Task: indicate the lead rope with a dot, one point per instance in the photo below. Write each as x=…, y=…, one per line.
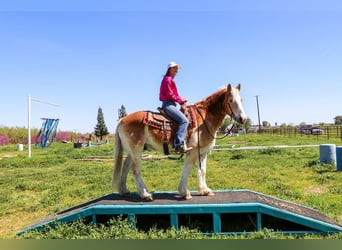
x=198, y=139
x=214, y=137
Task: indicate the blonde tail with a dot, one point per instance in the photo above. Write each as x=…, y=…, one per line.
x=118, y=155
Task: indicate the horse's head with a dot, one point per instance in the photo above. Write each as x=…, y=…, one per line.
x=233, y=104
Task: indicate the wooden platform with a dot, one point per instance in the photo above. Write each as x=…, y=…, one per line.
x=231, y=211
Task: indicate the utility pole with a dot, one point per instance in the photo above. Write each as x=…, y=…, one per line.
x=257, y=101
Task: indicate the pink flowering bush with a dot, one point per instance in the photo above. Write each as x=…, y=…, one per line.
x=4, y=140
x=62, y=136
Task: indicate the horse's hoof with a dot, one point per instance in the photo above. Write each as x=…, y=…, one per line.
x=207, y=193
x=187, y=197
x=148, y=198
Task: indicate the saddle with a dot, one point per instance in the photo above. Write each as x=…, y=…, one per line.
x=161, y=121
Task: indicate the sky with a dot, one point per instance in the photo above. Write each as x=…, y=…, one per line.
x=83, y=55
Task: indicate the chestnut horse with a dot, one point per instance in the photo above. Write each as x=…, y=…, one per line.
x=132, y=135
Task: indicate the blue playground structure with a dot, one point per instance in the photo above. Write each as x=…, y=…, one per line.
x=47, y=133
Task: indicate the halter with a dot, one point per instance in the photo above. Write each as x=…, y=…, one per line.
x=231, y=125
x=198, y=136
x=229, y=106
x=206, y=125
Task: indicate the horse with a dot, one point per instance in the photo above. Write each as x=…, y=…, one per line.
x=132, y=135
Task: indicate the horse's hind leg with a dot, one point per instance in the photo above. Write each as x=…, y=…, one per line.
x=123, y=190
x=141, y=187
x=135, y=164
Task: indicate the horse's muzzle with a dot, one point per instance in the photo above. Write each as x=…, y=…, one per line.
x=241, y=119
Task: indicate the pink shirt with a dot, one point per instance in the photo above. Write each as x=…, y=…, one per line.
x=168, y=91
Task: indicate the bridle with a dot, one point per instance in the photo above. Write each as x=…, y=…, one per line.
x=231, y=125
x=206, y=125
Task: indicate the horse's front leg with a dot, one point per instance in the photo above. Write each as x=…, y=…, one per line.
x=189, y=161
x=201, y=173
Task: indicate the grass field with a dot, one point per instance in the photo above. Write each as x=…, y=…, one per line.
x=60, y=176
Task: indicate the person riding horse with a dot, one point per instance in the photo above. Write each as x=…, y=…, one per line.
x=169, y=97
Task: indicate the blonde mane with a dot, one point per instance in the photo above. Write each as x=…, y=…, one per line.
x=211, y=98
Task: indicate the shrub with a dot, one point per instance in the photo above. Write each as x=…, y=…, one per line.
x=4, y=140
x=270, y=151
x=62, y=136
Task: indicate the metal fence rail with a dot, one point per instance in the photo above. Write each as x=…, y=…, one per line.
x=328, y=132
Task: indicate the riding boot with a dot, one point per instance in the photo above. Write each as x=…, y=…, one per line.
x=182, y=149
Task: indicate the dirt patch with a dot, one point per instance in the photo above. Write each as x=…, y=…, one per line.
x=315, y=190
x=7, y=156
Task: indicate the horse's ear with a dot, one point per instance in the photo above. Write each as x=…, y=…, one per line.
x=238, y=86
x=229, y=87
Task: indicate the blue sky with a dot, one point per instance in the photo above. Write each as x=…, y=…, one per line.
x=86, y=54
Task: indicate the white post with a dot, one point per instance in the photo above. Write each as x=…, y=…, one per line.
x=29, y=126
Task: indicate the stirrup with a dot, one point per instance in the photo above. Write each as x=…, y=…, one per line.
x=182, y=149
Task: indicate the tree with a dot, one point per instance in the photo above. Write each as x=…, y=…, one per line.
x=338, y=120
x=248, y=123
x=100, y=128
x=226, y=122
x=266, y=124
x=122, y=112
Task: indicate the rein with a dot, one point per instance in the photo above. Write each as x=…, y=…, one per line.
x=213, y=136
x=206, y=125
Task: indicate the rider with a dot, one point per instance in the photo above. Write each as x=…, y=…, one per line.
x=169, y=96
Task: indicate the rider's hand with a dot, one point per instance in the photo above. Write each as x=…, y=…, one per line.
x=184, y=100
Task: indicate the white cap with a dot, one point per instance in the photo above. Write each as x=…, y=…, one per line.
x=173, y=64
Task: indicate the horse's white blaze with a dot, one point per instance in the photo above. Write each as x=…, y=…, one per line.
x=240, y=111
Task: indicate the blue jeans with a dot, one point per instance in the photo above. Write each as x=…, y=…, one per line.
x=174, y=113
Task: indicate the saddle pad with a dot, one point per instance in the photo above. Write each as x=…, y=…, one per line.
x=157, y=120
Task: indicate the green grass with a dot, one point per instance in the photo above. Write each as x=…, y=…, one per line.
x=60, y=176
